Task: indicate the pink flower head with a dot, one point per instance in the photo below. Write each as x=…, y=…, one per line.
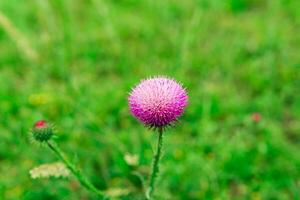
x=158, y=101
x=40, y=124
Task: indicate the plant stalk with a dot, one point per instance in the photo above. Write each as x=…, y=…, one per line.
x=75, y=171
x=155, y=166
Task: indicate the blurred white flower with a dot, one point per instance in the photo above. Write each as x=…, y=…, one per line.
x=57, y=170
x=131, y=159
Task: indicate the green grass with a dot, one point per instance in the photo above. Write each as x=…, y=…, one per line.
x=73, y=63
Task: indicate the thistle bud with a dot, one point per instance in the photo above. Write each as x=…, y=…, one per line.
x=42, y=131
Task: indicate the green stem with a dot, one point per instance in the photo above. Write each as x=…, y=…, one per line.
x=155, y=166
x=77, y=173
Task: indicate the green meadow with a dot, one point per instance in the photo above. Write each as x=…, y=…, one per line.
x=74, y=62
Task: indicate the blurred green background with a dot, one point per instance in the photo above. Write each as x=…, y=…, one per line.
x=73, y=62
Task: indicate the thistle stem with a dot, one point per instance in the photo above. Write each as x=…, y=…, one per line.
x=155, y=166
x=75, y=171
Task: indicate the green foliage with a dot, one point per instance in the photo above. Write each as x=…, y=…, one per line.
x=72, y=62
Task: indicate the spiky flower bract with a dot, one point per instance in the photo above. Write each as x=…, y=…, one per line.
x=158, y=101
x=42, y=131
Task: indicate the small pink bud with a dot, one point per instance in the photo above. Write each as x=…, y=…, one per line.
x=256, y=117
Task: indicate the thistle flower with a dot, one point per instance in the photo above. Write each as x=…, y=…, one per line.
x=158, y=101
x=42, y=131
